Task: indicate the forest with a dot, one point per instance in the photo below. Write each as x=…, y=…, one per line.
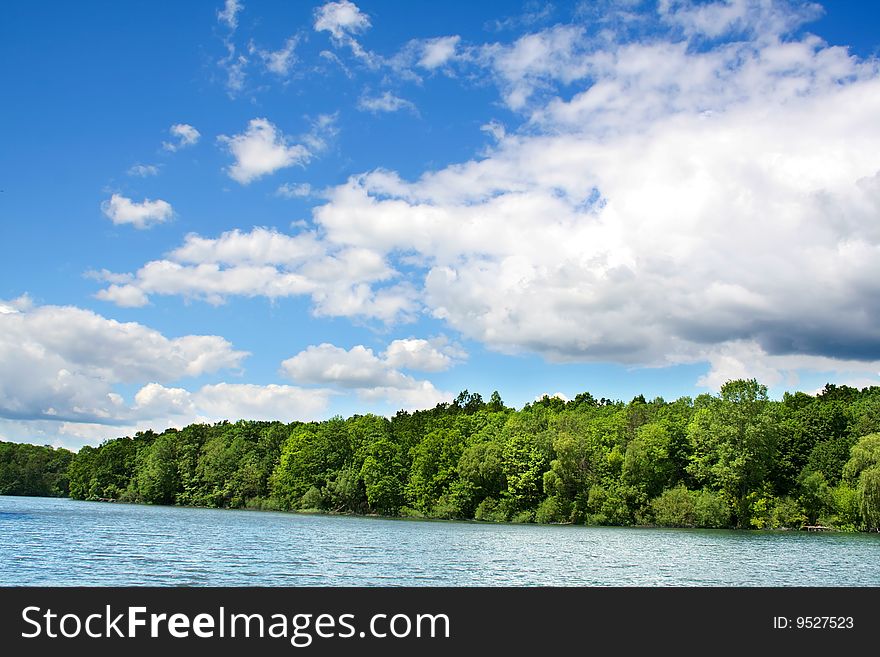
x=737, y=459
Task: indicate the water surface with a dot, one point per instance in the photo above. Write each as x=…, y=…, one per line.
x=48, y=542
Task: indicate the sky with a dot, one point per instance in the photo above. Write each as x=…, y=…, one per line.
x=292, y=210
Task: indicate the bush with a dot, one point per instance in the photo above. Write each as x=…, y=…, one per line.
x=262, y=504
x=553, y=510
x=456, y=502
x=847, y=515
x=607, y=506
x=710, y=510
x=680, y=507
x=675, y=507
x=787, y=513
x=523, y=517
x=489, y=510
x=816, y=496
x=312, y=500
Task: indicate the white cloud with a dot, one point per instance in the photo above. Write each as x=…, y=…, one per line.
x=341, y=19
x=143, y=170
x=536, y=60
x=61, y=362
x=185, y=134
x=752, y=17
x=747, y=359
x=359, y=368
x=539, y=15
x=438, y=52
x=59, y=367
x=282, y=60
x=18, y=305
x=124, y=295
x=387, y=102
x=645, y=225
x=158, y=407
x=229, y=14
x=424, y=355
x=323, y=129
x=328, y=364
x=340, y=281
x=122, y=210
x=231, y=401
x=494, y=128
x=418, y=397
x=676, y=198
x=234, y=65
x=261, y=150
x=261, y=246
x=555, y=395
x=294, y=190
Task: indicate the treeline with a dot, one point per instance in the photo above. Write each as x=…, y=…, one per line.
x=737, y=459
x=32, y=470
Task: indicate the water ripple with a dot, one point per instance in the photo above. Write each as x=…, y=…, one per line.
x=64, y=542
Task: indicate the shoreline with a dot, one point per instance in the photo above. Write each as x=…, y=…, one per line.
x=414, y=518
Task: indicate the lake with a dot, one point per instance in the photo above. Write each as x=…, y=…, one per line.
x=60, y=542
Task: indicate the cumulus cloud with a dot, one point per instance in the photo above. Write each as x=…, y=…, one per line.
x=387, y=102
x=60, y=367
x=20, y=304
x=340, y=281
x=344, y=20
x=694, y=194
x=155, y=406
x=231, y=401
x=328, y=364
x=185, y=136
x=746, y=359
x=61, y=362
x=123, y=295
x=373, y=377
x=646, y=219
x=261, y=150
x=424, y=355
x=122, y=210
x=341, y=19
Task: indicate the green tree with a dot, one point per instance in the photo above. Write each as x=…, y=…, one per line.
x=734, y=440
x=869, y=497
x=383, y=473
x=434, y=467
x=157, y=477
x=647, y=466
x=862, y=471
x=34, y=470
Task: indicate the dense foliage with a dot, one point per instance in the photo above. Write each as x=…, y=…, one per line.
x=33, y=470
x=737, y=459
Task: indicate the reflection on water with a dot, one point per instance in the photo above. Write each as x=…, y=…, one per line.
x=45, y=542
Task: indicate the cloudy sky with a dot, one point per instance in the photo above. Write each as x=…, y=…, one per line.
x=287, y=210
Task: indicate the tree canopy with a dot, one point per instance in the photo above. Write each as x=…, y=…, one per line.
x=735, y=459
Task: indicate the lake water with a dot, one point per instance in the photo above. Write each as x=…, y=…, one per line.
x=48, y=542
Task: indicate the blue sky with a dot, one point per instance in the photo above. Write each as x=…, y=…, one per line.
x=223, y=210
